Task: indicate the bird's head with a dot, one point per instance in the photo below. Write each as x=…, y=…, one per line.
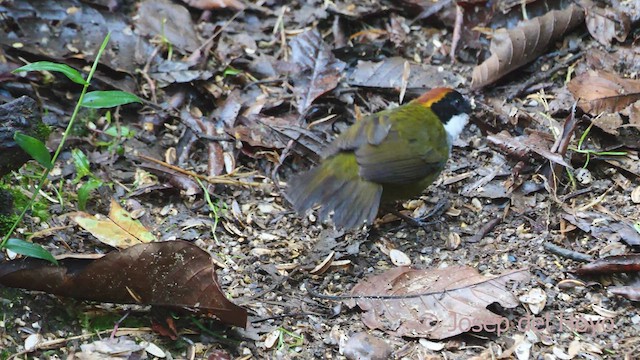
x=450, y=107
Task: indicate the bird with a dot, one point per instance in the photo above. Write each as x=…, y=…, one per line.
x=391, y=155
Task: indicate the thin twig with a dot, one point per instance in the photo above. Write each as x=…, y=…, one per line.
x=566, y=253
x=487, y=228
x=210, y=179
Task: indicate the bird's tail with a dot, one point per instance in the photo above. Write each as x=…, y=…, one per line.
x=337, y=186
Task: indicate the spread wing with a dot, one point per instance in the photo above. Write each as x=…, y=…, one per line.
x=390, y=153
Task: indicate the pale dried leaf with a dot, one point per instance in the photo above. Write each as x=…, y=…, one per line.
x=600, y=91
x=607, y=24
x=432, y=303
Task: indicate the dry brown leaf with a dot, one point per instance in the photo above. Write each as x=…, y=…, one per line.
x=513, y=48
x=172, y=21
x=319, y=71
x=434, y=303
x=609, y=123
x=174, y=274
x=599, y=91
x=607, y=24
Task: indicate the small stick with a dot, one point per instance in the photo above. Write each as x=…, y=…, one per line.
x=485, y=230
x=566, y=253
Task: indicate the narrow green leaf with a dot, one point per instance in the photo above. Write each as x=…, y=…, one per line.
x=29, y=249
x=113, y=131
x=108, y=99
x=81, y=163
x=68, y=71
x=85, y=190
x=35, y=148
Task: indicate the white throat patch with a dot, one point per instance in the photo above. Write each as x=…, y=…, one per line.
x=455, y=125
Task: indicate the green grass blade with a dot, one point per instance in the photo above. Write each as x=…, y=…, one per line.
x=68, y=71
x=35, y=148
x=29, y=249
x=108, y=99
x=85, y=190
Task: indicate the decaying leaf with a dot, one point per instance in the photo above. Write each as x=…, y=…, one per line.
x=119, y=230
x=599, y=91
x=629, y=264
x=513, y=48
x=630, y=162
x=319, y=70
x=607, y=24
x=434, y=303
x=162, y=18
x=390, y=72
x=629, y=292
x=523, y=146
x=611, y=265
x=603, y=227
x=174, y=274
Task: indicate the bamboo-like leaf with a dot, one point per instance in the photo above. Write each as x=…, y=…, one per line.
x=108, y=99
x=35, y=148
x=66, y=70
x=22, y=247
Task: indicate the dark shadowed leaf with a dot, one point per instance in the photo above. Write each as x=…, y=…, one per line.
x=22, y=247
x=108, y=99
x=35, y=148
x=68, y=71
x=319, y=69
x=174, y=274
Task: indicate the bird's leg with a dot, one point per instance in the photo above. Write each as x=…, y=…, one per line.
x=437, y=210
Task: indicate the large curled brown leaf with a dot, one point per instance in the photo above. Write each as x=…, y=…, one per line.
x=599, y=91
x=510, y=49
x=319, y=70
x=175, y=274
x=433, y=303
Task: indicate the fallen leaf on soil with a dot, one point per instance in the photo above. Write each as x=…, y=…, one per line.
x=629, y=162
x=389, y=74
x=513, y=48
x=174, y=274
x=366, y=346
x=603, y=226
x=599, y=91
x=319, y=70
x=162, y=18
x=434, y=303
x=609, y=123
x=611, y=265
x=120, y=230
x=629, y=292
x=607, y=24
